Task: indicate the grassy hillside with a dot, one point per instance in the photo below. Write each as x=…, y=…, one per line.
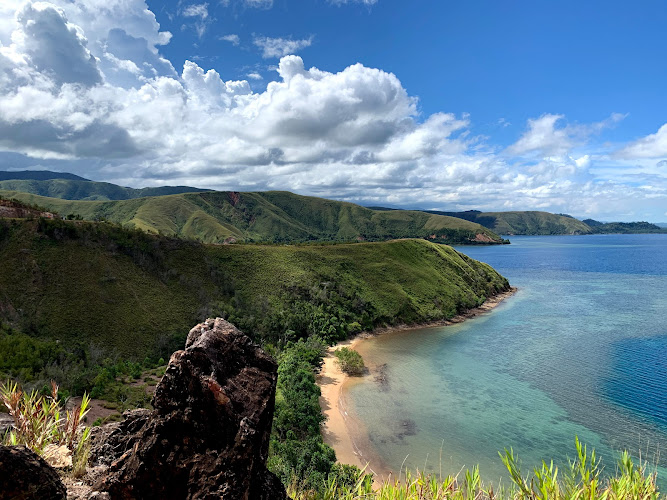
x=624, y=227
x=38, y=175
x=129, y=292
x=217, y=217
x=523, y=223
x=81, y=189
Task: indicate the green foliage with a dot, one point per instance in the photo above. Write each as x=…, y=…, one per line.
x=39, y=422
x=581, y=482
x=623, y=227
x=297, y=452
x=350, y=361
x=131, y=295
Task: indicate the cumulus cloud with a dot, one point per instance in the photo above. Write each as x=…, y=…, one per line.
x=113, y=101
x=651, y=146
x=546, y=135
x=279, y=47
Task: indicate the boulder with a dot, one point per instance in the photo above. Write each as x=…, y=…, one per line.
x=110, y=442
x=27, y=476
x=208, y=435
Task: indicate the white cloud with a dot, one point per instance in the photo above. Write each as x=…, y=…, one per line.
x=55, y=47
x=545, y=137
x=279, y=47
x=262, y=4
x=231, y=38
x=354, y=134
x=254, y=76
x=199, y=11
x=195, y=10
x=651, y=146
x=365, y=2
x=258, y=4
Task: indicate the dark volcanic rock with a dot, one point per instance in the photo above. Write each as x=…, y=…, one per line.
x=208, y=436
x=24, y=475
x=110, y=442
x=6, y=423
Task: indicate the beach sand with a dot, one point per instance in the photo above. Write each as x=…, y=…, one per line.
x=341, y=430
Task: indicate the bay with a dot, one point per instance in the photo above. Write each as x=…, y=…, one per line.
x=580, y=350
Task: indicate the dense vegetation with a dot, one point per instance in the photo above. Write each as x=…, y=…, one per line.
x=524, y=223
x=623, y=227
x=350, y=361
x=278, y=217
x=37, y=175
x=545, y=223
x=86, y=303
x=73, y=294
x=581, y=479
x=81, y=189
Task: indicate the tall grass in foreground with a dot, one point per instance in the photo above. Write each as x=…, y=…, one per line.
x=580, y=480
x=41, y=424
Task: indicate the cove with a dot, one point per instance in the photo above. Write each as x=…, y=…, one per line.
x=581, y=349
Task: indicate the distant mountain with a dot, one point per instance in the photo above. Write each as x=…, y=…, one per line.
x=624, y=227
x=274, y=216
x=545, y=223
x=38, y=175
x=661, y=224
x=82, y=189
x=523, y=223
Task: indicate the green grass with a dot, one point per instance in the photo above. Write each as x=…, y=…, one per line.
x=581, y=479
x=217, y=217
x=524, y=223
x=76, y=189
x=135, y=294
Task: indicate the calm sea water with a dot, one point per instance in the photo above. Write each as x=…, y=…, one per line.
x=581, y=350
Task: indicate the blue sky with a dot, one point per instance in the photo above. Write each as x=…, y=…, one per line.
x=514, y=105
x=510, y=60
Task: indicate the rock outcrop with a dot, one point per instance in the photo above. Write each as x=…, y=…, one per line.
x=208, y=435
x=24, y=475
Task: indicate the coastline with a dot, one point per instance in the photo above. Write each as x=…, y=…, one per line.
x=345, y=434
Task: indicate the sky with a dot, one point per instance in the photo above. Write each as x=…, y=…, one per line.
x=441, y=104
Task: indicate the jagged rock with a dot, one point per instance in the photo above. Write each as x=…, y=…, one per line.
x=6, y=423
x=58, y=457
x=26, y=476
x=109, y=442
x=208, y=436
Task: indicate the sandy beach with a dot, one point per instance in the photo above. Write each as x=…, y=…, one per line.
x=340, y=430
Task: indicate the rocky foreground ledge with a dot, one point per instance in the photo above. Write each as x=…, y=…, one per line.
x=208, y=434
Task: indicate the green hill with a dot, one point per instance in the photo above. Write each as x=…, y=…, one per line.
x=624, y=227
x=524, y=223
x=81, y=189
x=134, y=294
x=218, y=217
x=38, y=175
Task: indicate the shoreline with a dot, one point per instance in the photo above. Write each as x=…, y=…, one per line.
x=345, y=434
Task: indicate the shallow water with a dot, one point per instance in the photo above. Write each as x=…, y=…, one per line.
x=581, y=349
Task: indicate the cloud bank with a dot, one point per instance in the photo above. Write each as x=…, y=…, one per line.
x=111, y=107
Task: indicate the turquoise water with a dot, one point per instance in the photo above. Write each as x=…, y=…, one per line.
x=581, y=349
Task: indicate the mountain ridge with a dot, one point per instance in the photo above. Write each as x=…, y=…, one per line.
x=271, y=216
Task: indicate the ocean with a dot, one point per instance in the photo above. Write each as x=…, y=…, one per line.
x=579, y=350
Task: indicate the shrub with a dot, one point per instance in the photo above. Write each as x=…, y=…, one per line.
x=39, y=421
x=350, y=361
